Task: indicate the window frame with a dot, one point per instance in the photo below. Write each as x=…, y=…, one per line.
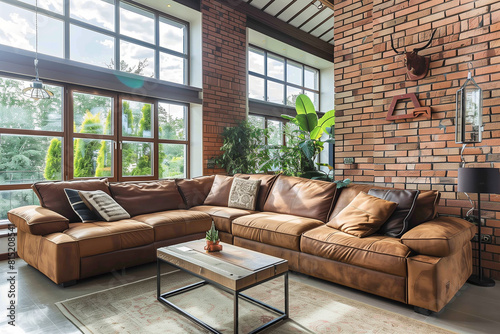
x=117, y=36
x=283, y=82
x=67, y=134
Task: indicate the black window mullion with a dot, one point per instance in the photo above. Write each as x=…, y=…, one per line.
x=117, y=32
x=66, y=30
x=157, y=42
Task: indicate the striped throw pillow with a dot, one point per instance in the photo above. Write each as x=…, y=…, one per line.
x=103, y=205
x=83, y=212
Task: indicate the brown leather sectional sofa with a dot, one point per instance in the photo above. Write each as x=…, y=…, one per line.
x=423, y=268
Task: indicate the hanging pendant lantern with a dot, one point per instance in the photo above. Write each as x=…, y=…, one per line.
x=36, y=90
x=469, y=112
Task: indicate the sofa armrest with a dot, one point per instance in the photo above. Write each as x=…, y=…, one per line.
x=439, y=237
x=38, y=220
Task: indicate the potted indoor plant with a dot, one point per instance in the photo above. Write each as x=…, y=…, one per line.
x=213, y=240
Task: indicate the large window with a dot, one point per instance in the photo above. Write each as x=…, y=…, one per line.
x=276, y=79
x=94, y=133
x=107, y=33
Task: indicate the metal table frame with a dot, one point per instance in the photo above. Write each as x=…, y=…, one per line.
x=236, y=295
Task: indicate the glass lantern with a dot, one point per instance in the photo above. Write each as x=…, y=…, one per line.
x=469, y=115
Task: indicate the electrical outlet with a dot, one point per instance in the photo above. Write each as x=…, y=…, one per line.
x=348, y=161
x=485, y=238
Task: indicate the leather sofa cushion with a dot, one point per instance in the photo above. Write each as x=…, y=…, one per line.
x=274, y=228
x=301, y=197
x=440, y=237
x=222, y=216
x=219, y=193
x=376, y=252
x=176, y=223
x=346, y=195
x=138, y=198
x=37, y=220
x=103, y=237
x=53, y=197
x=399, y=222
x=425, y=207
x=194, y=191
x=266, y=183
x=363, y=216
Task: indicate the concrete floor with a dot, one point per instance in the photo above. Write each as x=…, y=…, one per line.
x=473, y=310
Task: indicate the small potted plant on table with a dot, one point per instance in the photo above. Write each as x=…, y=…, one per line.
x=213, y=240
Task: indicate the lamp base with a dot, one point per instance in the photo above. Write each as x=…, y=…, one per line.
x=474, y=279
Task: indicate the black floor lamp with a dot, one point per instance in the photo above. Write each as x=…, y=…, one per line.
x=480, y=181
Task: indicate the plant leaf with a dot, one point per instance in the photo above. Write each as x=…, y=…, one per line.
x=316, y=133
x=327, y=120
x=304, y=106
x=307, y=147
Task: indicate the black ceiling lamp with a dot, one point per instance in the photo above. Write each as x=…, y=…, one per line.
x=36, y=90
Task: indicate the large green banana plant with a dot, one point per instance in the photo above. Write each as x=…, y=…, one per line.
x=311, y=127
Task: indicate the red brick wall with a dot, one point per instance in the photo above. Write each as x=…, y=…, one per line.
x=418, y=153
x=224, y=74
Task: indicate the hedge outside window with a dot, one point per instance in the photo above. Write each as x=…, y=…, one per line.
x=33, y=137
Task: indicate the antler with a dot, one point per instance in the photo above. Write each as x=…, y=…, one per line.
x=398, y=52
x=428, y=43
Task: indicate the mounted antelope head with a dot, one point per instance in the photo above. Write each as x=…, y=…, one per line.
x=416, y=66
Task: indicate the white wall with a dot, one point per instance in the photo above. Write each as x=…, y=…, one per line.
x=195, y=74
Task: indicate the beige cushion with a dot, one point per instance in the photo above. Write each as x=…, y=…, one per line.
x=243, y=194
x=364, y=215
x=103, y=205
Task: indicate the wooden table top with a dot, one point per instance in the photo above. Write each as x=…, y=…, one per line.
x=234, y=267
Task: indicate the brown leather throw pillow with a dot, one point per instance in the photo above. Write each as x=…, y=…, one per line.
x=363, y=216
x=399, y=222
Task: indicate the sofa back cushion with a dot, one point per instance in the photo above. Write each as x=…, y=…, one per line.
x=399, y=222
x=194, y=191
x=301, y=197
x=138, y=198
x=425, y=207
x=219, y=193
x=266, y=183
x=53, y=197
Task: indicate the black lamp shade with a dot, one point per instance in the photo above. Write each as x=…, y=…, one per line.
x=479, y=180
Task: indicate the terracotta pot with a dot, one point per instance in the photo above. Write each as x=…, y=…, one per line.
x=213, y=246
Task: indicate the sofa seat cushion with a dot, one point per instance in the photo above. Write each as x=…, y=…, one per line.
x=274, y=228
x=176, y=223
x=376, y=252
x=222, y=216
x=103, y=237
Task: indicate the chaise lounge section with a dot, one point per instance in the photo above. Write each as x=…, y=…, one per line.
x=294, y=219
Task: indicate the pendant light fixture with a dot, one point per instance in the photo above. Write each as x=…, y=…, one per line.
x=36, y=90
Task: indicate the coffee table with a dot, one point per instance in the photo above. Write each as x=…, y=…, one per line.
x=233, y=270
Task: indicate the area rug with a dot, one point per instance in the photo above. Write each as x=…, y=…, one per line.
x=133, y=308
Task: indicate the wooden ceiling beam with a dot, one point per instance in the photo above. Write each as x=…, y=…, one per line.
x=327, y=3
x=276, y=28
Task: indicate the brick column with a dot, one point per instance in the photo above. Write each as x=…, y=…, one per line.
x=224, y=74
